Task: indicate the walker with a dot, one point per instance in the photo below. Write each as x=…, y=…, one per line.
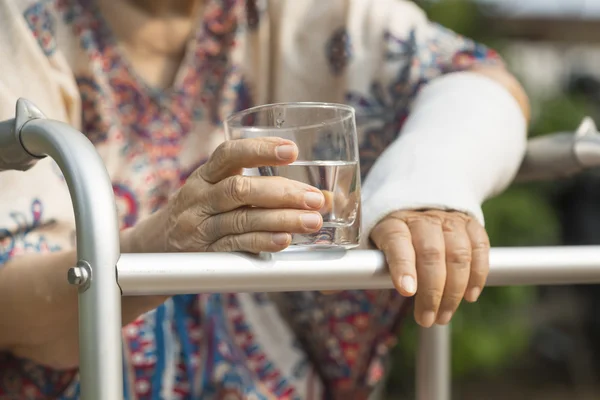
x=103, y=275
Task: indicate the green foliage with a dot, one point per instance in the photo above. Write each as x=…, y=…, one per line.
x=521, y=216
x=560, y=113
x=462, y=16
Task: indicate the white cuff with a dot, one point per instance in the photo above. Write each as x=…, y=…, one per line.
x=463, y=142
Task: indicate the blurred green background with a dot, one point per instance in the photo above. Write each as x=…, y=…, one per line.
x=491, y=335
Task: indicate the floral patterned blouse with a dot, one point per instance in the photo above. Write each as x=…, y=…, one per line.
x=372, y=54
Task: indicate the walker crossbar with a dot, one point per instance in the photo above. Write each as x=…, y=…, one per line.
x=100, y=274
x=183, y=273
x=146, y=274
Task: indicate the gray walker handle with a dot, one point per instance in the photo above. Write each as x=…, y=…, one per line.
x=103, y=276
x=561, y=155
x=29, y=137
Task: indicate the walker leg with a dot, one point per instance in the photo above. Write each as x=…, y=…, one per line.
x=433, y=364
x=100, y=350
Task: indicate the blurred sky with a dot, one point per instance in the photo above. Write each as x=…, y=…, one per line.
x=578, y=8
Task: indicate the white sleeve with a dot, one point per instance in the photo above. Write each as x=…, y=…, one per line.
x=462, y=143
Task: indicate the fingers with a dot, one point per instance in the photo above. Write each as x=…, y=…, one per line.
x=446, y=252
x=258, y=191
x=458, y=264
x=393, y=237
x=254, y=242
x=246, y=220
x=430, y=250
x=480, y=264
x=234, y=155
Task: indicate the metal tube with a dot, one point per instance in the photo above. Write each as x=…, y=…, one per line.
x=100, y=355
x=146, y=274
x=433, y=364
x=140, y=274
x=181, y=273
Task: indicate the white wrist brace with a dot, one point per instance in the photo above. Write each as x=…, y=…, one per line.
x=462, y=143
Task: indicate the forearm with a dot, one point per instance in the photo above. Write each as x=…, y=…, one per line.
x=462, y=143
x=38, y=308
x=34, y=291
x=501, y=76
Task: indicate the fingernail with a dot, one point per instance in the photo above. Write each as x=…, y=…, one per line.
x=311, y=221
x=280, y=239
x=285, y=152
x=473, y=294
x=314, y=200
x=445, y=318
x=428, y=319
x=408, y=284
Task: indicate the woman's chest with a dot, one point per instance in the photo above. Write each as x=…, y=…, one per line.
x=146, y=172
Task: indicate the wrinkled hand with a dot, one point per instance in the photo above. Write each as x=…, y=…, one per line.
x=218, y=209
x=441, y=256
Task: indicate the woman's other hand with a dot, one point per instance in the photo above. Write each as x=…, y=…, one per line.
x=440, y=256
x=218, y=209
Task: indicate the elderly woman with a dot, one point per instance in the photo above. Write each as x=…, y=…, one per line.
x=442, y=127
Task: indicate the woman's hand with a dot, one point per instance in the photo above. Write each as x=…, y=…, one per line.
x=438, y=255
x=218, y=209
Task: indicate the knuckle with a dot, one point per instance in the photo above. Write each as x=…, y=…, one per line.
x=452, y=299
x=460, y=255
x=389, y=231
x=183, y=198
x=201, y=173
x=430, y=254
x=432, y=296
x=289, y=197
x=397, y=255
x=401, y=260
x=234, y=242
x=225, y=147
x=208, y=203
x=419, y=217
x=391, y=240
x=289, y=189
x=239, y=188
x=395, y=230
x=482, y=244
x=240, y=222
x=481, y=272
x=180, y=231
x=257, y=243
x=221, y=153
x=228, y=243
x=281, y=187
x=282, y=220
x=453, y=224
x=207, y=230
x=263, y=148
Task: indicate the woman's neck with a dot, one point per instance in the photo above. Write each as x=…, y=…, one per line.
x=159, y=8
x=153, y=34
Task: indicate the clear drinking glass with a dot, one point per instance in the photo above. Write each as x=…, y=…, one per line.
x=328, y=160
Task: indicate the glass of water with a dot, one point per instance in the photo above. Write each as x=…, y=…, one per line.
x=328, y=160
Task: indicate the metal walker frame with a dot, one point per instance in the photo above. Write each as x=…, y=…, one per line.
x=103, y=275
